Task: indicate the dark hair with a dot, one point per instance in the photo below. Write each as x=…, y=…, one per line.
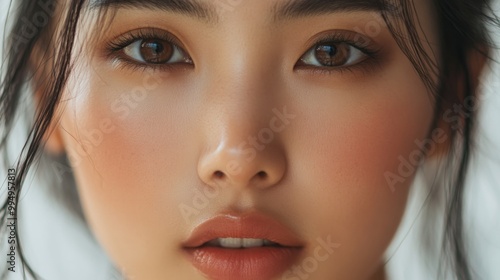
x=463, y=30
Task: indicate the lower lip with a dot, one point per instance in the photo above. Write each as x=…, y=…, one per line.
x=243, y=264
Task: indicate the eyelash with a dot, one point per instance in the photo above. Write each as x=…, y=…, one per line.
x=349, y=38
x=114, y=48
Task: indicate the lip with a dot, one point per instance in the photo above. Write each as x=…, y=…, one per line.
x=248, y=263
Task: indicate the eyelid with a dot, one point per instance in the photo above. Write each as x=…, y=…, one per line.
x=128, y=37
x=362, y=42
x=117, y=44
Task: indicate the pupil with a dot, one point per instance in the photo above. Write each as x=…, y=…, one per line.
x=156, y=51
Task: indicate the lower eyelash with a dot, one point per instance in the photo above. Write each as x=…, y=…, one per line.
x=365, y=67
x=134, y=66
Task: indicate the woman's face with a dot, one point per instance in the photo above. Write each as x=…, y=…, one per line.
x=277, y=120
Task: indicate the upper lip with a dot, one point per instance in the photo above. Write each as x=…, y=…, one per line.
x=247, y=225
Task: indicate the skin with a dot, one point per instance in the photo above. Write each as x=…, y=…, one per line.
x=147, y=156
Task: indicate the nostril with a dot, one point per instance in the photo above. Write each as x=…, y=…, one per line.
x=262, y=174
x=218, y=174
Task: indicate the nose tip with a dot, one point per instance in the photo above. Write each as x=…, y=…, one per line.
x=238, y=167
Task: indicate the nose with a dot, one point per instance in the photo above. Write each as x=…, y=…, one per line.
x=242, y=165
x=243, y=129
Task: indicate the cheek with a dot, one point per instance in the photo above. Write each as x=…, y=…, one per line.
x=346, y=149
x=134, y=153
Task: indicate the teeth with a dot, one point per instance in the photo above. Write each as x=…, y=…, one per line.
x=250, y=243
x=230, y=242
x=235, y=243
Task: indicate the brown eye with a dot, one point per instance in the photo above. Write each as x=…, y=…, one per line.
x=332, y=55
x=155, y=51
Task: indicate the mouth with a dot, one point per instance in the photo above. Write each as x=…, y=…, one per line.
x=250, y=246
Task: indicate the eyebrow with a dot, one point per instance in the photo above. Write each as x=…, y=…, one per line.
x=286, y=10
x=190, y=8
x=304, y=8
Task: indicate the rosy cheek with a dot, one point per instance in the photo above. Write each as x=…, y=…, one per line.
x=134, y=151
x=351, y=141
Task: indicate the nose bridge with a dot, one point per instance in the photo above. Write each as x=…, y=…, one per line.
x=242, y=94
x=240, y=112
x=241, y=124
